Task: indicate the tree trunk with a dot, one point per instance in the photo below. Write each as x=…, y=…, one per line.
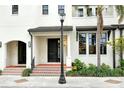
x=98, y=41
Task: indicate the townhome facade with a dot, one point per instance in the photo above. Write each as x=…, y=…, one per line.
x=33, y=31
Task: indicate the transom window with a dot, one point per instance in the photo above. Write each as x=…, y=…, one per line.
x=61, y=9
x=45, y=9
x=14, y=9
x=82, y=43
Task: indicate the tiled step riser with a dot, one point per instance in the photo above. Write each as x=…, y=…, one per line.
x=12, y=71
x=14, y=68
x=46, y=69
x=50, y=68
x=46, y=72
x=44, y=75
x=11, y=74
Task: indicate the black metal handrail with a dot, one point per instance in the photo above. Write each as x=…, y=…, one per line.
x=33, y=63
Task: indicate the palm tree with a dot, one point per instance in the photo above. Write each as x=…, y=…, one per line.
x=99, y=30
x=98, y=33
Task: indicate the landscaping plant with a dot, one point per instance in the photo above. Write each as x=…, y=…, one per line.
x=81, y=69
x=26, y=72
x=0, y=72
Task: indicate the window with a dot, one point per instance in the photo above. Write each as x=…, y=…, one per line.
x=96, y=11
x=14, y=9
x=80, y=12
x=92, y=43
x=61, y=9
x=45, y=9
x=89, y=12
x=103, y=43
x=82, y=43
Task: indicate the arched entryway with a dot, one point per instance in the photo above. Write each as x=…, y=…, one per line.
x=16, y=53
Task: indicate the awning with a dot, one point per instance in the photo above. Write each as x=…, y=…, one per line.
x=120, y=26
x=92, y=28
x=51, y=29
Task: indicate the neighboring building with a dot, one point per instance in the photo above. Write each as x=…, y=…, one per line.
x=19, y=22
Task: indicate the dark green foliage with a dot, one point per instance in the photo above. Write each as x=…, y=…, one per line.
x=104, y=70
x=0, y=72
x=81, y=69
x=122, y=63
x=26, y=72
x=78, y=65
x=117, y=72
x=72, y=73
x=91, y=70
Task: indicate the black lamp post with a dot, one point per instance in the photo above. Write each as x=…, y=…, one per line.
x=62, y=77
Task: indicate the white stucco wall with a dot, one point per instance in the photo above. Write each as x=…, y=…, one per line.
x=14, y=28
x=12, y=53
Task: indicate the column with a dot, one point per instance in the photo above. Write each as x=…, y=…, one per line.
x=3, y=56
x=121, y=50
x=28, y=56
x=68, y=59
x=113, y=37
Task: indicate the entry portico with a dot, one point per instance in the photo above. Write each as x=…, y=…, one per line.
x=46, y=45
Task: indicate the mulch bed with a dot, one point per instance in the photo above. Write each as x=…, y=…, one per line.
x=21, y=80
x=113, y=81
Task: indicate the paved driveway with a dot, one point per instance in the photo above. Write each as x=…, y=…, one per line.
x=52, y=82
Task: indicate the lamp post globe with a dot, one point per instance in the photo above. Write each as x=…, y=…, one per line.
x=62, y=79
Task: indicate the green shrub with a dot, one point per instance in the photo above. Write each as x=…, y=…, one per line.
x=72, y=73
x=81, y=69
x=91, y=70
x=78, y=65
x=0, y=72
x=122, y=63
x=26, y=72
x=117, y=72
x=104, y=70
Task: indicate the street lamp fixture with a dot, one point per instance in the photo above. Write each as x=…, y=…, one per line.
x=62, y=77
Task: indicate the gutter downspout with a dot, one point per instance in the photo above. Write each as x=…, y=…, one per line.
x=31, y=46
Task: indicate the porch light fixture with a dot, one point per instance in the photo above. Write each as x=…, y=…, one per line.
x=0, y=44
x=62, y=77
x=29, y=43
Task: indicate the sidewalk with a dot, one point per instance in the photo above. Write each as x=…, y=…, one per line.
x=52, y=82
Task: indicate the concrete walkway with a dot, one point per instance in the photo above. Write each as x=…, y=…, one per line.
x=52, y=82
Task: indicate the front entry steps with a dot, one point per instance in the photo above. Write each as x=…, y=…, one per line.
x=13, y=70
x=47, y=70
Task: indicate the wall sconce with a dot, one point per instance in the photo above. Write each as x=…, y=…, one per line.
x=0, y=44
x=29, y=43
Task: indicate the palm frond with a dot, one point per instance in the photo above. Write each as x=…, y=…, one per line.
x=120, y=12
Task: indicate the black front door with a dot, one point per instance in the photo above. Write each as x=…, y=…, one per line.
x=53, y=50
x=21, y=53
